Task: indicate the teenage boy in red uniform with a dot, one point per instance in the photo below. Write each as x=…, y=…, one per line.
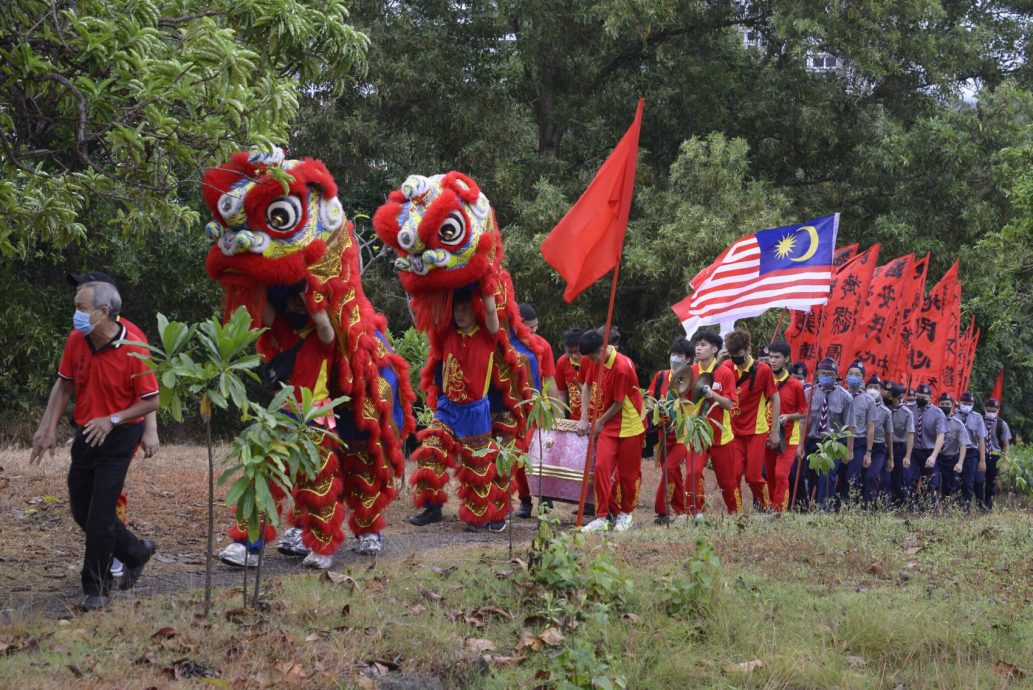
x=567, y=367
x=618, y=430
x=794, y=408
x=722, y=392
x=681, y=351
x=755, y=386
x=546, y=384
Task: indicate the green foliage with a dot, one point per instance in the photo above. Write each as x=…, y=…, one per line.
x=110, y=108
x=689, y=589
x=586, y=667
x=1017, y=475
x=543, y=411
x=413, y=346
x=282, y=443
x=832, y=449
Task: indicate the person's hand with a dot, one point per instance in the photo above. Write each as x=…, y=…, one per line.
x=583, y=427
x=906, y=464
x=867, y=462
x=149, y=443
x=799, y=452
x=96, y=431
x=930, y=463
x=783, y=419
x=773, y=438
x=597, y=428
x=957, y=468
x=42, y=441
x=981, y=467
x=889, y=465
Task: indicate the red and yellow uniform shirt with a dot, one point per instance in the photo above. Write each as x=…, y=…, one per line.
x=466, y=361
x=755, y=386
x=791, y=401
x=107, y=379
x=313, y=362
x=619, y=383
x=567, y=379
x=720, y=418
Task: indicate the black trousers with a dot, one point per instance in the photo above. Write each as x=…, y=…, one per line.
x=95, y=480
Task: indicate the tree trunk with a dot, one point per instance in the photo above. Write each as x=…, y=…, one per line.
x=258, y=570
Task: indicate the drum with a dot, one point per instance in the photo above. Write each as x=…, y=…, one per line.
x=558, y=463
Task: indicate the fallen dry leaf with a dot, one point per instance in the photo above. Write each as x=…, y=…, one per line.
x=444, y=572
x=477, y=645
x=552, y=637
x=1009, y=670
x=338, y=578
x=749, y=666
x=417, y=609
x=875, y=568
x=632, y=618
x=164, y=634
x=497, y=660
x=346, y=609
x=494, y=611
x=519, y=562
x=291, y=670
x=433, y=596
x=528, y=640
x=912, y=550
x=856, y=662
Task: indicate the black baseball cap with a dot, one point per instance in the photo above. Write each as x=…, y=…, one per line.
x=967, y=397
x=923, y=389
x=992, y=402
x=91, y=277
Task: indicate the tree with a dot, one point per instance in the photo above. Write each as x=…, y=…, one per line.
x=115, y=107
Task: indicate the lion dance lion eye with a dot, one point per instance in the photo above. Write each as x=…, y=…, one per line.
x=453, y=230
x=283, y=214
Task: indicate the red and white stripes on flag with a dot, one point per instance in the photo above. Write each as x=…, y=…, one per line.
x=736, y=287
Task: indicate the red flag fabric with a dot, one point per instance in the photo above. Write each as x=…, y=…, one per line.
x=954, y=346
x=587, y=242
x=844, y=254
x=929, y=337
x=913, y=293
x=849, y=289
x=998, y=392
x=879, y=322
x=970, y=358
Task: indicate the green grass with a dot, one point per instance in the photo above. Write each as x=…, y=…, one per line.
x=847, y=601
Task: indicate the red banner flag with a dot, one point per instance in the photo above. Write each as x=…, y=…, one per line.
x=587, y=242
x=929, y=337
x=970, y=356
x=913, y=293
x=879, y=321
x=849, y=289
x=998, y=392
x=953, y=347
x=844, y=254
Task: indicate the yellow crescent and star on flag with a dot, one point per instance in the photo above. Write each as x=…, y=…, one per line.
x=786, y=246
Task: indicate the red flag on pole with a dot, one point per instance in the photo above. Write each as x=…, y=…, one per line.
x=844, y=254
x=929, y=337
x=970, y=358
x=998, y=392
x=913, y=293
x=879, y=320
x=849, y=288
x=587, y=242
x=954, y=346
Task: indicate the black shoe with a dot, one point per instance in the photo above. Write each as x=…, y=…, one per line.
x=94, y=602
x=470, y=528
x=133, y=574
x=661, y=520
x=497, y=526
x=524, y=511
x=428, y=516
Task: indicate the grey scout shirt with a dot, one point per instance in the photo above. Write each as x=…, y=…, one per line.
x=839, y=405
x=1004, y=430
x=934, y=422
x=956, y=437
x=903, y=424
x=976, y=426
x=861, y=408
x=883, y=423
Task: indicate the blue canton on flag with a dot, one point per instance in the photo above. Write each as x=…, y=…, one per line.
x=798, y=246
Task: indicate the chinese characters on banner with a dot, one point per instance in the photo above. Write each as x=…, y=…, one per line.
x=930, y=332
x=849, y=290
x=879, y=321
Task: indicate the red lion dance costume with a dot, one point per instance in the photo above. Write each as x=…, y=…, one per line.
x=292, y=259
x=444, y=231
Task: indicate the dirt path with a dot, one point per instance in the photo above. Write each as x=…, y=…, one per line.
x=41, y=549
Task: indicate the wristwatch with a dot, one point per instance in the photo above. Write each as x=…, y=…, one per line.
x=115, y=420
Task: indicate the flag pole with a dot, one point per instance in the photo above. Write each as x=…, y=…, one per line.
x=779, y=326
x=810, y=396
x=588, y=403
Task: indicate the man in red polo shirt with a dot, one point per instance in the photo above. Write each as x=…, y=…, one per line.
x=619, y=430
x=794, y=408
x=113, y=392
x=567, y=367
x=755, y=386
x=718, y=403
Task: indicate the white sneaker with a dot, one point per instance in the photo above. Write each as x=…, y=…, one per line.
x=117, y=568
x=681, y=519
x=600, y=524
x=369, y=544
x=237, y=554
x=290, y=543
x=318, y=561
x=623, y=522
x=700, y=518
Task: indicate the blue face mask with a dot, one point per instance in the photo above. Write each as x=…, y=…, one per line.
x=826, y=381
x=81, y=321
x=853, y=380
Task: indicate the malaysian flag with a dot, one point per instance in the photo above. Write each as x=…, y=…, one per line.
x=787, y=267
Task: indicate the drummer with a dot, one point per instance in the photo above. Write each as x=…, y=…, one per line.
x=671, y=489
x=719, y=401
x=567, y=366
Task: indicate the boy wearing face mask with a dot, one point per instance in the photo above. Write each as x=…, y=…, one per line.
x=777, y=463
x=903, y=441
x=880, y=452
x=955, y=448
x=829, y=407
x=755, y=386
x=930, y=430
x=998, y=436
x=681, y=351
x=861, y=421
x=975, y=457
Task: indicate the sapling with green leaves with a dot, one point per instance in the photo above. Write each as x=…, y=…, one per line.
x=542, y=413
